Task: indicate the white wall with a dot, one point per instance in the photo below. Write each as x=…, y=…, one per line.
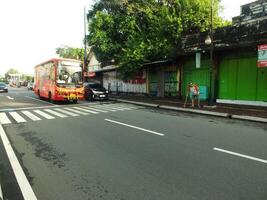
x=109, y=78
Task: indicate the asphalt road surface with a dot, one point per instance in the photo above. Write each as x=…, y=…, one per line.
x=115, y=151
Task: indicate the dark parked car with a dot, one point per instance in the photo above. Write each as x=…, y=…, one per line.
x=3, y=87
x=94, y=91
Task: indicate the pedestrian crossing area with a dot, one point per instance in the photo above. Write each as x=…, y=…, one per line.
x=22, y=116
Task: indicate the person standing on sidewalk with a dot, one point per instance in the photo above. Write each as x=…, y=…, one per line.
x=192, y=91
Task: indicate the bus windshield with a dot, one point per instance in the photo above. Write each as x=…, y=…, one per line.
x=69, y=73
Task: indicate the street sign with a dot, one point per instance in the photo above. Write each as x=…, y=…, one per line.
x=262, y=55
x=198, y=60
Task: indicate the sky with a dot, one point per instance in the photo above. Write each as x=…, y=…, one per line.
x=31, y=30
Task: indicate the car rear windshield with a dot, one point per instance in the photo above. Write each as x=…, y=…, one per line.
x=96, y=86
x=2, y=84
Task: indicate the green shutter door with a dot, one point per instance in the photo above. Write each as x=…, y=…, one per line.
x=262, y=85
x=227, y=79
x=199, y=76
x=247, y=79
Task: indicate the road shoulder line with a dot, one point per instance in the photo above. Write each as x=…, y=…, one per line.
x=22, y=180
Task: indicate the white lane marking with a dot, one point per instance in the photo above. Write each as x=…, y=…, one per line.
x=22, y=180
x=135, y=127
x=112, y=107
x=240, y=155
x=39, y=100
x=26, y=108
x=43, y=114
x=103, y=108
x=86, y=110
x=76, y=111
x=31, y=116
x=11, y=98
x=97, y=110
x=17, y=117
x=66, y=112
x=117, y=107
x=55, y=113
x=4, y=119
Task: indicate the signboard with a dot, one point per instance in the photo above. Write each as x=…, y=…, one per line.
x=262, y=55
x=254, y=10
x=198, y=60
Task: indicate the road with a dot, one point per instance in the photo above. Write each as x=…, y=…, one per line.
x=108, y=150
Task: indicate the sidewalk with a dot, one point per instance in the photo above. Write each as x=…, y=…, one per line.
x=250, y=113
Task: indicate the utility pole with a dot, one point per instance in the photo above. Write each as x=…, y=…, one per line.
x=85, y=43
x=212, y=72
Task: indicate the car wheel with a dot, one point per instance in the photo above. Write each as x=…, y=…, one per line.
x=90, y=97
x=38, y=93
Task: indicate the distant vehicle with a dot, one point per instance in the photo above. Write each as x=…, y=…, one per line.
x=59, y=79
x=30, y=85
x=94, y=91
x=3, y=87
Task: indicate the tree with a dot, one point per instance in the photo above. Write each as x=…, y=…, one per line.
x=134, y=32
x=70, y=52
x=10, y=71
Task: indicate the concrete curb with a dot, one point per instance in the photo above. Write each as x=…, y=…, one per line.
x=203, y=112
x=250, y=118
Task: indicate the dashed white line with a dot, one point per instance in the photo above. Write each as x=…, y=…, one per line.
x=66, y=112
x=43, y=114
x=11, y=98
x=31, y=116
x=22, y=180
x=104, y=108
x=135, y=127
x=118, y=107
x=97, y=110
x=76, y=111
x=4, y=119
x=17, y=117
x=240, y=155
x=86, y=110
x=55, y=113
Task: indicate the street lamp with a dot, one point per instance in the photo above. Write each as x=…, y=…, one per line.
x=209, y=42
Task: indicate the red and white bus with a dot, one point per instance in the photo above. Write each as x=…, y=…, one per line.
x=59, y=79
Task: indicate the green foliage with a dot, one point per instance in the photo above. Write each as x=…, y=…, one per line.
x=72, y=53
x=27, y=78
x=134, y=32
x=11, y=71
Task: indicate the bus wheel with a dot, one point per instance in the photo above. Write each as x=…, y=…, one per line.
x=50, y=97
x=74, y=101
x=38, y=93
